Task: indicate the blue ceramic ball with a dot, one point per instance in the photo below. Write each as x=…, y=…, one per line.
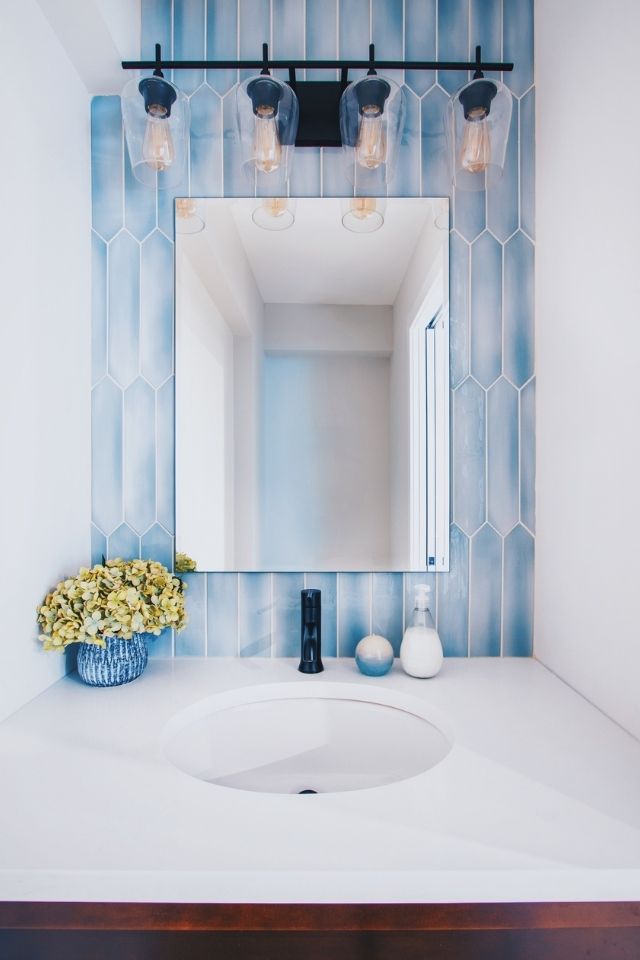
x=374, y=656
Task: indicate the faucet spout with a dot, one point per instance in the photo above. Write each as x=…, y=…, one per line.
x=310, y=633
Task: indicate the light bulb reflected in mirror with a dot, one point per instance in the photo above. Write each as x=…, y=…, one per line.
x=363, y=215
x=274, y=213
x=188, y=219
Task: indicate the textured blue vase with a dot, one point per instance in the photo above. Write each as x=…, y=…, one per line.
x=120, y=661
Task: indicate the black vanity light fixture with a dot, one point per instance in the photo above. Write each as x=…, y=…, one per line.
x=478, y=120
x=364, y=117
x=156, y=123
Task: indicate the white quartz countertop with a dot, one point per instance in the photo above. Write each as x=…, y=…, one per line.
x=539, y=799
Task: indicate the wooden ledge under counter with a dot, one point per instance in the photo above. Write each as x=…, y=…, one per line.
x=182, y=931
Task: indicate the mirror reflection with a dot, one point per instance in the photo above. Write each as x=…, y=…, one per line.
x=312, y=346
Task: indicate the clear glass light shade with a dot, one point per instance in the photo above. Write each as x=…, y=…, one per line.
x=363, y=214
x=267, y=113
x=274, y=213
x=188, y=216
x=371, y=123
x=156, y=126
x=477, y=125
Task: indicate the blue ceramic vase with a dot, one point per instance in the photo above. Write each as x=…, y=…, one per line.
x=120, y=661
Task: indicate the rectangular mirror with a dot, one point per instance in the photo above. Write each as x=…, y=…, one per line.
x=312, y=384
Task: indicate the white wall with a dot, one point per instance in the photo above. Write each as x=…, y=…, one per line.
x=45, y=310
x=218, y=259
x=325, y=462
x=204, y=425
x=587, y=619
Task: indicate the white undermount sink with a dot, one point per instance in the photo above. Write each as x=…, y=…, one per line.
x=309, y=737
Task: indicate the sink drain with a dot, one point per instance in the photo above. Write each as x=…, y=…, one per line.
x=307, y=791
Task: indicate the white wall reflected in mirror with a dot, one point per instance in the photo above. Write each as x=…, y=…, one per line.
x=312, y=389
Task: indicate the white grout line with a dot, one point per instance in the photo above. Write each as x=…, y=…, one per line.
x=370, y=601
x=206, y=614
x=338, y=643
x=272, y=618
x=237, y=614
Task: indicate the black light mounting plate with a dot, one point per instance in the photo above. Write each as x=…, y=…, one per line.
x=319, y=101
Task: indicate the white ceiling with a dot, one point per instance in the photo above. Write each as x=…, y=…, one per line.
x=317, y=260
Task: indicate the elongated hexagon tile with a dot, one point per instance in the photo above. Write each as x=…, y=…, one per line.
x=502, y=456
x=485, y=593
x=502, y=196
x=335, y=182
x=354, y=601
x=139, y=456
x=518, y=593
x=157, y=27
x=387, y=29
x=458, y=309
x=420, y=20
x=406, y=181
x=287, y=32
x=528, y=455
x=222, y=614
x=124, y=543
x=305, y=173
x=518, y=309
x=98, y=545
x=411, y=581
x=286, y=613
x=165, y=449
x=469, y=213
x=139, y=204
x=387, y=602
x=157, y=544
x=106, y=165
x=321, y=35
x=106, y=455
x=486, y=309
x=98, y=308
x=206, y=143
x=453, y=597
x=254, y=614
x=124, y=308
x=353, y=32
x=527, y=163
x=486, y=28
x=166, y=209
x=253, y=30
x=436, y=169
x=469, y=426
x=189, y=41
x=222, y=28
x=156, y=308
x=235, y=182
x=517, y=28
x=192, y=641
x=453, y=41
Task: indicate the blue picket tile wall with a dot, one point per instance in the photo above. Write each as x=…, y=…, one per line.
x=484, y=604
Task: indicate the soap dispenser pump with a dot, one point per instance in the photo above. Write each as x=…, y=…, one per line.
x=421, y=651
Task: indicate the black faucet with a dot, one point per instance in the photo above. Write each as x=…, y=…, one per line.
x=310, y=661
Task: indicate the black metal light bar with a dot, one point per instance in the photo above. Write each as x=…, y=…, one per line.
x=318, y=99
x=260, y=64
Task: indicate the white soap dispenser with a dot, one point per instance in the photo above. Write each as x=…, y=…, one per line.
x=421, y=650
